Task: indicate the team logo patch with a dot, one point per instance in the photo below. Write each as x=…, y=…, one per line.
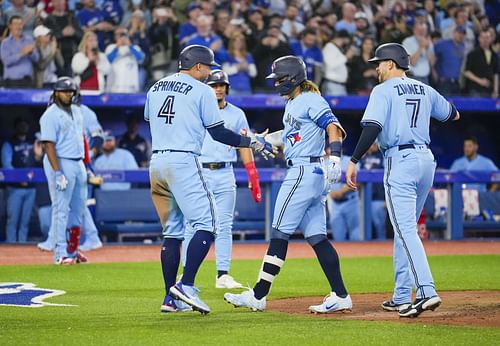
x=27, y=295
x=294, y=137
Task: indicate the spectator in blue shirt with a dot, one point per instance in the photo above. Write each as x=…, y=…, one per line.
x=28, y=14
x=239, y=65
x=206, y=37
x=188, y=29
x=309, y=51
x=18, y=54
x=472, y=161
x=92, y=18
x=450, y=56
x=347, y=22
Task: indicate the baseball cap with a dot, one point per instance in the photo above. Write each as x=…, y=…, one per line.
x=192, y=6
x=108, y=135
x=41, y=30
x=461, y=29
x=360, y=15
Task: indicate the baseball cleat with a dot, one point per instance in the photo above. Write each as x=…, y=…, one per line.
x=246, y=300
x=47, y=245
x=173, y=305
x=65, y=261
x=420, y=305
x=332, y=303
x=227, y=281
x=389, y=305
x=81, y=258
x=189, y=295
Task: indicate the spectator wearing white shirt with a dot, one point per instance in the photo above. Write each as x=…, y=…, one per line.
x=335, y=64
x=125, y=59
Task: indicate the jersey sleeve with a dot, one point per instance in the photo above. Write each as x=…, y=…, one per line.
x=318, y=108
x=441, y=109
x=242, y=122
x=146, y=108
x=48, y=127
x=90, y=122
x=210, y=115
x=378, y=108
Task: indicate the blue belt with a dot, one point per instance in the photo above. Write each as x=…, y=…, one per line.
x=216, y=165
x=345, y=199
x=409, y=146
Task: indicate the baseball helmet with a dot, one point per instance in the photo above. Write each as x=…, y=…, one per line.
x=394, y=52
x=65, y=84
x=290, y=70
x=218, y=77
x=196, y=54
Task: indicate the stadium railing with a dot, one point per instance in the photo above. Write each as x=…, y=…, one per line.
x=271, y=180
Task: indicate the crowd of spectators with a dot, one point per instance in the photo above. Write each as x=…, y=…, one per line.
x=125, y=45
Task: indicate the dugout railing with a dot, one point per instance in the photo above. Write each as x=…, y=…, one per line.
x=271, y=181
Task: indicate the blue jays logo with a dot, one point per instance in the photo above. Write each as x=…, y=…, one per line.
x=26, y=295
x=294, y=137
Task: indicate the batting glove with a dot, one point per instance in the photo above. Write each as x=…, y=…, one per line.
x=259, y=144
x=332, y=171
x=253, y=181
x=61, y=181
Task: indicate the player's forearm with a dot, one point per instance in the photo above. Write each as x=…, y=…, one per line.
x=335, y=136
x=368, y=135
x=228, y=137
x=246, y=155
x=50, y=150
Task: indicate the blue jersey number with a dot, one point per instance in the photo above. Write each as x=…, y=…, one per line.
x=413, y=108
x=167, y=110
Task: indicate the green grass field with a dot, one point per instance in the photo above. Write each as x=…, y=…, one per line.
x=119, y=304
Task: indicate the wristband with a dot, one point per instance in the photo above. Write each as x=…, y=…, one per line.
x=336, y=148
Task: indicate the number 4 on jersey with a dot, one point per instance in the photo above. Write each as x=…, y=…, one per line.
x=167, y=110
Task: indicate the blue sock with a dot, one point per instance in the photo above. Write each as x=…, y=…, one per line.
x=196, y=252
x=170, y=257
x=329, y=261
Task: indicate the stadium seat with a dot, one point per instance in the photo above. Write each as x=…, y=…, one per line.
x=249, y=217
x=128, y=213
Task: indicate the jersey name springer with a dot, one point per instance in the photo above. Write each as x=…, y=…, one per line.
x=176, y=86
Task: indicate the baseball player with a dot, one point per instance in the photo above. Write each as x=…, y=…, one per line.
x=180, y=110
x=61, y=128
x=94, y=138
x=398, y=114
x=301, y=200
x=217, y=161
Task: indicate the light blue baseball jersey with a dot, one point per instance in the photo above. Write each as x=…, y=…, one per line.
x=402, y=107
x=301, y=135
x=64, y=129
x=179, y=109
x=480, y=163
x=90, y=123
x=213, y=151
x=119, y=159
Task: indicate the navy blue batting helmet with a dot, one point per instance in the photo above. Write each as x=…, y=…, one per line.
x=196, y=54
x=290, y=71
x=65, y=84
x=394, y=52
x=218, y=77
